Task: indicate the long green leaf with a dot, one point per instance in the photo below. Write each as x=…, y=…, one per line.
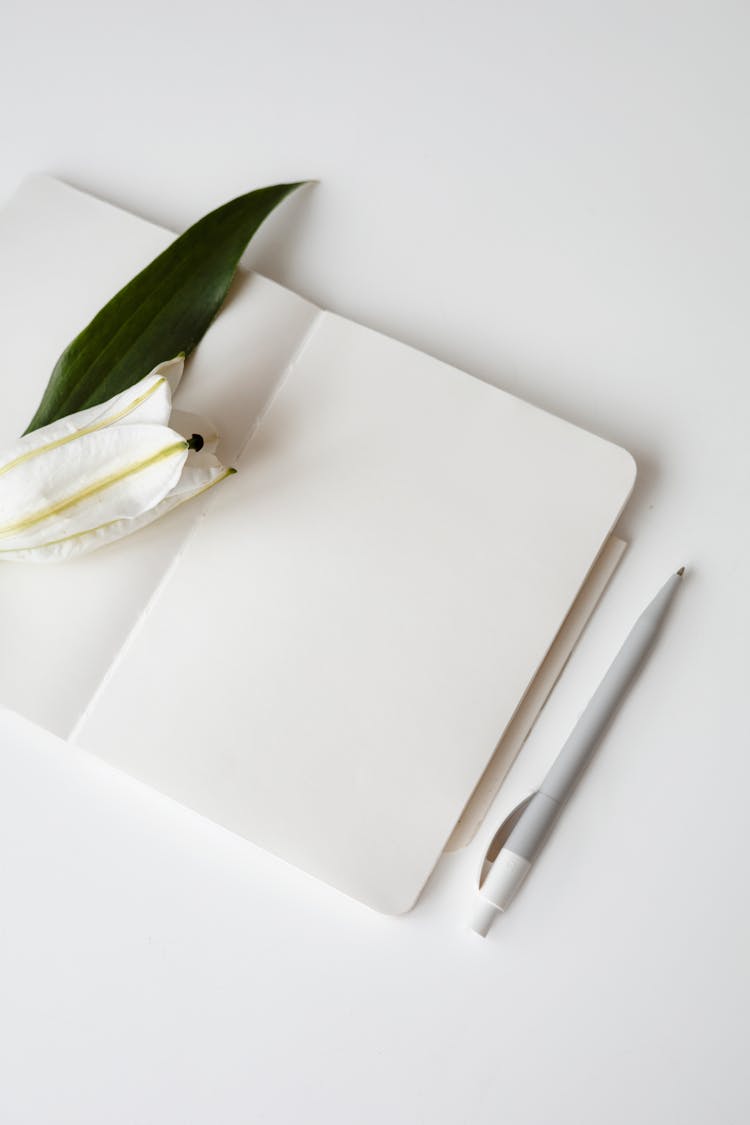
x=163, y=311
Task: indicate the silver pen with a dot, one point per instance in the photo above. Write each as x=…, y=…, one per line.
x=520, y=837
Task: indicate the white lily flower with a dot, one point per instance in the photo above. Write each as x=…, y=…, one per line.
x=103, y=473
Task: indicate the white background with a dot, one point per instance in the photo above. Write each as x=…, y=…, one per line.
x=555, y=197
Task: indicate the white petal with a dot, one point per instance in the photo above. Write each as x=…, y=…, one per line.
x=114, y=473
x=200, y=471
x=171, y=370
x=194, y=481
x=147, y=401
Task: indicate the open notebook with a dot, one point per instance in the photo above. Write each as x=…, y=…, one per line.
x=324, y=653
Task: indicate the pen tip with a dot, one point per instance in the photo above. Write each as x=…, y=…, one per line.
x=680, y=572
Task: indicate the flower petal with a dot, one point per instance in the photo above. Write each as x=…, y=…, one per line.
x=194, y=480
x=201, y=471
x=171, y=370
x=148, y=401
x=114, y=473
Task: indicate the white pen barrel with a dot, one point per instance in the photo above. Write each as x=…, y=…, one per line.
x=505, y=877
x=588, y=730
x=529, y=834
x=534, y=818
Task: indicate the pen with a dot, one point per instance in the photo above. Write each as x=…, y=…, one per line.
x=521, y=836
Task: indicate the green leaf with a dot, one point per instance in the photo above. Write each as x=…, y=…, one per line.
x=163, y=311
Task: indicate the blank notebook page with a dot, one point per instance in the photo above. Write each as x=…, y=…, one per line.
x=62, y=256
x=351, y=626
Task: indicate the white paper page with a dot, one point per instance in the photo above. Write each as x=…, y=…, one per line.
x=519, y=728
x=63, y=254
x=356, y=621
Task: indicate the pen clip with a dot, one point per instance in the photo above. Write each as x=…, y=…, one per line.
x=498, y=840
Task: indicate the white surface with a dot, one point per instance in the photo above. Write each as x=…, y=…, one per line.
x=554, y=197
